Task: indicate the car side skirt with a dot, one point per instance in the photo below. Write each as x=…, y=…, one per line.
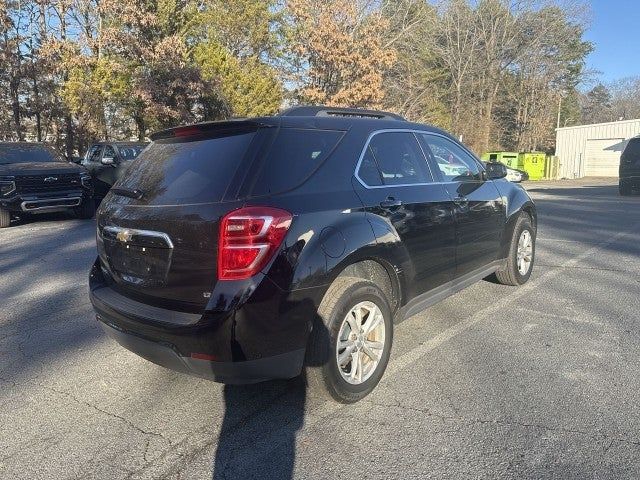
x=427, y=299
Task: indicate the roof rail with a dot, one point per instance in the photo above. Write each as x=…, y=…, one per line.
x=323, y=111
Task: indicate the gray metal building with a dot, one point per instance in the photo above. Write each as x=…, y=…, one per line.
x=593, y=150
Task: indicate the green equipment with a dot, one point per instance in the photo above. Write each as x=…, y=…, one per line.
x=533, y=163
x=510, y=159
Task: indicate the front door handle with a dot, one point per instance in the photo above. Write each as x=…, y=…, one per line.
x=390, y=202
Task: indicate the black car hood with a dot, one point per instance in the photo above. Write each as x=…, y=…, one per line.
x=42, y=168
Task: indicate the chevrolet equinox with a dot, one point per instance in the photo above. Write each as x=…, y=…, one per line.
x=256, y=249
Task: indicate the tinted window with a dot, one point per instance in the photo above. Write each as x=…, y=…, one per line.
x=109, y=152
x=399, y=159
x=196, y=171
x=293, y=157
x=368, y=171
x=454, y=163
x=129, y=152
x=94, y=153
x=632, y=151
x=27, y=153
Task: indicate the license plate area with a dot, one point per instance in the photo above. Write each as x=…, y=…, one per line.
x=138, y=257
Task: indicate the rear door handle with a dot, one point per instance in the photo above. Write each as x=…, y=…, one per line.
x=390, y=202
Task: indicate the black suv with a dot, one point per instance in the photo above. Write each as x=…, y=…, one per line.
x=630, y=167
x=247, y=250
x=34, y=178
x=107, y=162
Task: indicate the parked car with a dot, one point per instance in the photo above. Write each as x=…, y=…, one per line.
x=35, y=178
x=513, y=174
x=107, y=161
x=247, y=250
x=630, y=167
x=516, y=176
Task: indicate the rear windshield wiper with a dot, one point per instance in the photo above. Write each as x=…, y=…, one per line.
x=127, y=192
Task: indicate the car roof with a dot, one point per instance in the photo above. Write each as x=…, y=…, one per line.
x=124, y=143
x=314, y=118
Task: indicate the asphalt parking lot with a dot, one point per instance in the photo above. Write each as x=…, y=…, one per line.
x=540, y=381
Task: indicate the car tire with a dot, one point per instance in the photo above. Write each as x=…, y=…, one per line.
x=336, y=315
x=86, y=210
x=5, y=218
x=624, y=189
x=522, y=247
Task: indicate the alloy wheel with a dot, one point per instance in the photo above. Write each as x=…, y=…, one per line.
x=361, y=342
x=524, y=252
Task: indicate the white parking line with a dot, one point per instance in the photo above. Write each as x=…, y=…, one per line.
x=420, y=351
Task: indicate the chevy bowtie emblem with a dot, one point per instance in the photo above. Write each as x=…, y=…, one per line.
x=124, y=236
x=51, y=179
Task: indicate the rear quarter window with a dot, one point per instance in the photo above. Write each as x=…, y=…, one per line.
x=292, y=158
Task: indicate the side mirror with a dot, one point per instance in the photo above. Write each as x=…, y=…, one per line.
x=496, y=170
x=108, y=160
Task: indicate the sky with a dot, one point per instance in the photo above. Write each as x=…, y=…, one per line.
x=615, y=33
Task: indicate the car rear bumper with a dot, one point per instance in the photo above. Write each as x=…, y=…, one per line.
x=262, y=339
x=286, y=365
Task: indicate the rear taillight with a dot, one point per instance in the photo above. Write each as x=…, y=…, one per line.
x=249, y=237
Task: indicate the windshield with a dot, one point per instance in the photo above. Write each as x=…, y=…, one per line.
x=23, y=153
x=129, y=152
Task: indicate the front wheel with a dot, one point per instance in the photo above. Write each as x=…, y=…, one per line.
x=521, y=253
x=351, y=341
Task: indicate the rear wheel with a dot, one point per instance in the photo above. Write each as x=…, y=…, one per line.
x=521, y=253
x=5, y=218
x=86, y=210
x=624, y=189
x=350, y=345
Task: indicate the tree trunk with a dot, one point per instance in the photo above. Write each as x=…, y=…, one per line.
x=139, y=120
x=36, y=95
x=487, y=120
x=69, y=138
x=15, y=107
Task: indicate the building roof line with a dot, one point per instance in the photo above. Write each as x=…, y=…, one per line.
x=599, y=124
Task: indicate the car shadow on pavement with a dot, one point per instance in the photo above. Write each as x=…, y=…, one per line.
x=262, y=445
x=261, y=442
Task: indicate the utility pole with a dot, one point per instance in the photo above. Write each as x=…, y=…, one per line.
x=559, y=108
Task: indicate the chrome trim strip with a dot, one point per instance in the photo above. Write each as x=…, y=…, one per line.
x=414, y=131
x=143, y=233
x=77, y=202
x=6, y=194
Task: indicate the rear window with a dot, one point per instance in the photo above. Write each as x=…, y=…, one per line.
x=188, y=171
x=293, y=157
x=129, y=152
x=632, y=151
x=27, y=153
